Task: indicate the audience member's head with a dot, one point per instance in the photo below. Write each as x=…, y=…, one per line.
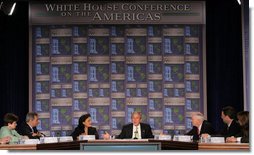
x=32, y=119
x=10, y=120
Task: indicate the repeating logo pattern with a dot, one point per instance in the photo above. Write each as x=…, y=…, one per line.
x=110, y=71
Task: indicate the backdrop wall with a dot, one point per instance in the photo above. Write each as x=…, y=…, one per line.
x=224, y=59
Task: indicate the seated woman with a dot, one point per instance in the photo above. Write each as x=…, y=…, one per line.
x=84, y=127
x=243, y=119
x=10, y=123
x=5, y=140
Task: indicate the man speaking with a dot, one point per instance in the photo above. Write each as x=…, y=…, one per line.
x=135, y=130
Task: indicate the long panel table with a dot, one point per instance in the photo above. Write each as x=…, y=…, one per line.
x=224, y=146
x=165, y=145
x=75, y=145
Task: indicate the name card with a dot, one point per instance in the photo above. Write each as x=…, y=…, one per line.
x=165, y=137
x=31, y=141
x=49, y=139
x=217, y=140
x=87, y=137
x=183, y=138
x=238, y=139
x=66, y=139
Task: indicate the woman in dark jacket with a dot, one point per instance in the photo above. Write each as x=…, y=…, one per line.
x=84, y=127
x=243, y=119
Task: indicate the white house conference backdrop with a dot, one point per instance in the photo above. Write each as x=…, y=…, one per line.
x=112, y=58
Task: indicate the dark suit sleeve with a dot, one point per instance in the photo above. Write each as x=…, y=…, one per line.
x=149, y=133
x=233, y=130
x=146, y=131
x=223, y=132
x=94, y=132
x=207, y=128
x=193, y=132
x=123, y=133
x=25, y=130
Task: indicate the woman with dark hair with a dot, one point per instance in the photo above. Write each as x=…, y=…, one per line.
x=10, y=123
x=85, y=127
x=243, y=119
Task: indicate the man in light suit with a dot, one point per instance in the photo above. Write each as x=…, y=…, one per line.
x=135, y=130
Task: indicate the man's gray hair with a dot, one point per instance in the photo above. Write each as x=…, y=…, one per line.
x=136, y=112
x=30, y=116
x=198, y=116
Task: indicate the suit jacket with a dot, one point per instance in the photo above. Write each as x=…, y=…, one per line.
x=233, y=130
x=127, y=131
x=25, y=130
x=205, y=128
x=79, y=130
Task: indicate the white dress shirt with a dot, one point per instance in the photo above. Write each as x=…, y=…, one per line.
x=199, y=129
x=138, y=128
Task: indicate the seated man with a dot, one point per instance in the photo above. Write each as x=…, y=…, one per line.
x=201, y=127
x=28, y=128
x=135, y=130
x=243, y=119
x=231, y=127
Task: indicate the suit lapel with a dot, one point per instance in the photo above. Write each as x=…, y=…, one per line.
x=142, y=130
x=131, y=131
x=29, y=127
x=202, y=128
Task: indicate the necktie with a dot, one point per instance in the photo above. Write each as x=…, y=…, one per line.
x=136, y=133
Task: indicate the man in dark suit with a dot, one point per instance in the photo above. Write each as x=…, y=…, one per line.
x=231, y=127
x=28, y=128
x=201, y=127
x=135, y=130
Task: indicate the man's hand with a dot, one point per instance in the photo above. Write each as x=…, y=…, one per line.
x=38, y=134
x=34, y=134
x=231, y=139
x=106, y=135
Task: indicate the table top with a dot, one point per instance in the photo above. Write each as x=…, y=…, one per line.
x=165, y=145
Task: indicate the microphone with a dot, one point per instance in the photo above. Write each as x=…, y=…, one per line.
x=43, y=134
